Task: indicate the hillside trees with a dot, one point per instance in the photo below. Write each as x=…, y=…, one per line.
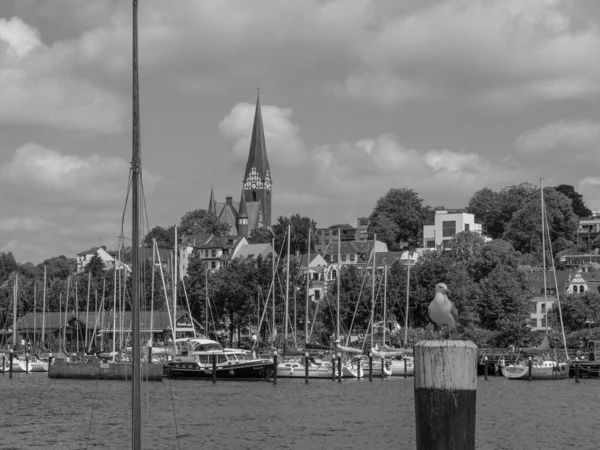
x=201, y=221
x=299, y=226
x=576, y=198
x=398, y=217
x=524, y=229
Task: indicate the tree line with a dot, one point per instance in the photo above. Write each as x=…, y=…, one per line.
x=492, y=294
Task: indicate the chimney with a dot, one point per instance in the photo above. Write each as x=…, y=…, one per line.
x=229, y=200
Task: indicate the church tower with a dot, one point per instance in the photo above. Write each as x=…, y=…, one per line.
x=242, y=219
x=257, y=178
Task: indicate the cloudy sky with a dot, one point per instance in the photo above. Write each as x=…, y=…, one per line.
x=359, y=96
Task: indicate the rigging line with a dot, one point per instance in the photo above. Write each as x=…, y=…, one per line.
x=188, y=306
x=174, y=414
x=557, y=293
x=87, y=438
x=359, y=295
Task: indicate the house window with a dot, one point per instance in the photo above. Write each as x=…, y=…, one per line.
x=581, y=290
x=206, y=253
x=335, y=258
x=543, y=308
x=430, y=243
x=317, y=294
x=533, y=323
x=214, y=253
x=448, y=228
x=364, y=231
x=318, y=232
x=364, y=222
x=352, y=257
x=384, y=259
x=344, y=257
x=333, y=274
x=467, y=226
x=253, y=196
x=213, y=264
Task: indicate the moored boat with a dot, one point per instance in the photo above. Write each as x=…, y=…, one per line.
x=234, y=364
x=540, y=370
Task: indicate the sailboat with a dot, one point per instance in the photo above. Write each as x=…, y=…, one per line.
x=533, y=363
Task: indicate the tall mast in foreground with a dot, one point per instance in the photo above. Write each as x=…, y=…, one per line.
x=136, y=167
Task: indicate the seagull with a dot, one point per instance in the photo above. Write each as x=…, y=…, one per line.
x=441, y=310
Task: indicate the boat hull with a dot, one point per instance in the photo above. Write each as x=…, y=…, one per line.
x=546, y=371
x=103, y=371
x=244, y=371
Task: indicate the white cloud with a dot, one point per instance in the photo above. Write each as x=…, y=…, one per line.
x=54, y=197
x=38, y=85
x=589, y=188
x=381, y=88
x=284, y=146
x=563, y=136
x=503, y=53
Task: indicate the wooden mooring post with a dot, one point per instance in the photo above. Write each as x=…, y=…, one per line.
x=445, y=394
x=306, y=362
x=214, y=367
x=275, y=367
x=370, y=366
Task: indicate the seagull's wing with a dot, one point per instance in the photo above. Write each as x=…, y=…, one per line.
x=453, y=311
x=429, y=311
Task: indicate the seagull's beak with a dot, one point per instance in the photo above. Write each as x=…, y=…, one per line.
x=448, y=291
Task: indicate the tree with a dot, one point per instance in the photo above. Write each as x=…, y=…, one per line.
x=260, y=236
x=95, y=266
x=577, y=202
x=524, y=229
x=201, y=221
x=299, y=226
x=165, y=237
x=8, y=265
x=58, y=267
x=576, y=309
x=485, y=205
x=398, y=217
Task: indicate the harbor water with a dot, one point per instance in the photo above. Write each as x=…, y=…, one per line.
x=38, y=412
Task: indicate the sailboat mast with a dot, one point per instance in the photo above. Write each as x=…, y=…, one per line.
x=34, y=310
x=544, y=253
x=44, y=309
x=206, y=301
x=273, y=290
x=339, y=268
x=373, y=290
x=135, y=300
x=384, y=302
x=307, y=287
x=87, y=308
x=175, y=292
x=15, y=290
x=407, y=299
x=287, y=287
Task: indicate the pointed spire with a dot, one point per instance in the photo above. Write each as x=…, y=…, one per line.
x=211, y=202
x=242, y=219
x=243, y=213
x=257, y=156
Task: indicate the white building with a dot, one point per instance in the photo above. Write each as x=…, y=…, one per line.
x=447, y=224
x=84, y=258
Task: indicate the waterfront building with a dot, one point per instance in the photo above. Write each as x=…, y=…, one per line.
x=446, y=224
x=324, y=236
x=84, y=258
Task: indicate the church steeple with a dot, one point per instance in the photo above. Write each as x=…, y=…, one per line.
x=257, y=178
x=242, y=219
x=211, y=202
